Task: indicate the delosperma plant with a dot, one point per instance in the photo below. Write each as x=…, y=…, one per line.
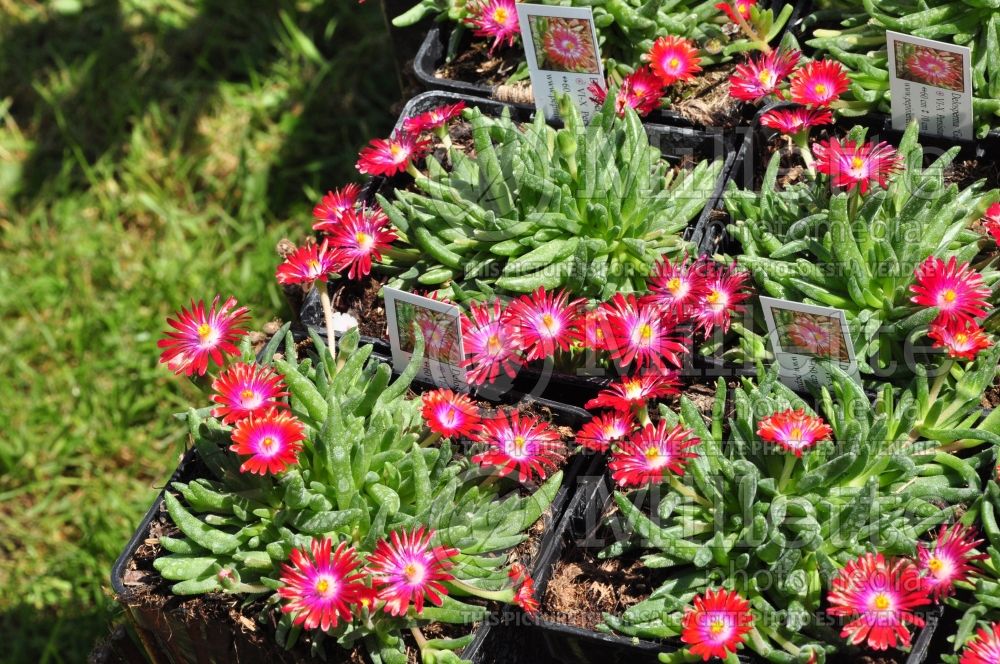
x=339, y=505
x=853, y=32
x=627, y=29
x=870, y=231
x=589, y=209
x=783, y=513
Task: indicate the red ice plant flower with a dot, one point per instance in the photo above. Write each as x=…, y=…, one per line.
x=273, y=440
x=640, y=90
x=602, y=430
x=991, y=222
x=432, y=119
x=642, y=333
x=329, y=211
x=818, y=83
x=723, y=289
x=389, y=156
x=761, y=75
x=496, y=19
x=525, y=597
x=635, y=392
x=675, y=287
x=200, y=335
x=963, y=340
x=546, y=322
x=880, y=595
x=717, y=623
x=490, y=343
x=450, y=414
x=794, y=120
x=793, y=430
x=320, y=586
x=652, y=453
x=852, y=165
x=595, y=329
x=948, y=559
x=308, y=264
x=674, y=59
x=737, y=9
x=566, y=45
x=984, y=648
x=360, y=237
x=409, y=569
x=519, y=443
x=245, y=389
x=956, y=290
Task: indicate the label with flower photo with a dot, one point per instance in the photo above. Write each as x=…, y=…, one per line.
x=930, y=82
x=561, y=47
x=440, y=323
x=803, y=337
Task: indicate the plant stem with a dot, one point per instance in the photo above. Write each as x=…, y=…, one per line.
x=419, y=637
x=324, y=298
x=688, y=492
x=786, y=472
x=939, y=381
x=642, y=414
x=431, y=438
x=412, y=170
x=506, y=596
x=751, y=33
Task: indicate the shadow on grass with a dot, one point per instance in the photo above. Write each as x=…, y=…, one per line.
x=123, y=70
x=48, y=637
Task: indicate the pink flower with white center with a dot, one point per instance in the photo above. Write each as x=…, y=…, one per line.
x=651, y=454
x=596, y=330
x=736, y=10
x=496, y=19
x=935, y=67
x=200, y=335
x=880, y=596
x=851, y=165
x=520, y=443
x=984, y=648
x=409, y=570
x=676, y=287
x=641, y=90
x=359, y=238
x=308, y=264
x=433, y=119
x=602, y=430
x=948, y=559
x=793, y=120
x=389, y=156
x=331, y=209
x=567, y=43
x=723, y=291
x=957, y=291
x=761, y=75
x=643, y=334
x=717, y=624
x=991, y=222
x=819, y=83
x=273, y=440
x=450, y=414
x=635, y=392
x=546, y=322
x=245, y=389
x=963, y=339
x=320, y=586
x=674, y=59
x=793, y=430
x=490, y=342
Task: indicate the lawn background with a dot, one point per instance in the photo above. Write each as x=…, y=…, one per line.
x=151, y=151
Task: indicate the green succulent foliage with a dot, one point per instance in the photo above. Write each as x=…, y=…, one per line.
x=626, y=29
x=589, y=209
x=362, y=474
x=791, y=237
x=860, y=45
x=756, y=520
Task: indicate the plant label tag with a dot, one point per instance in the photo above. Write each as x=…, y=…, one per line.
x=931, y=82
x=805, y=338
x=560, y=45
x=441, y=326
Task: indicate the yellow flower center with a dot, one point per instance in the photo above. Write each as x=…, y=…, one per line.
x=795, y=434
x=935, y=565
x=882, y=602
x=267, y=443
x=949, y=295
x=674, y=285
x=500, y=15
x=395, y=150
x=323, y=586
x=204, y=331
x=413, y=573
x=713, y=297
x=766, y=77
x=743, y=9
x=246, y=395
x=652, y=453
x=549, y=322
x=633, y=389
x=857, y=162
x=519, y=444
x=961, y=338
x=493, y=344
x=674, y=62
x=313, y=265
x=820, y=89
x=363, y=239
x=716, y=626
x=645, y=332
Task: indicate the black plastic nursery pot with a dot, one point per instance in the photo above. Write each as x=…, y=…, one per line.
x=431, y=59
x=676, y=144
x=173, y=632
x=547, y=640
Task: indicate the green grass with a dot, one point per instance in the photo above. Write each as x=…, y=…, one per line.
x=151, y=151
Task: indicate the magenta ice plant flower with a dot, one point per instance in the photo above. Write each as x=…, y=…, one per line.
x=520, y=443
x=491, y=343
x=202, y=333
x=321, y=585
x=408, y=570
x=546, y=322
x=245, y=389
